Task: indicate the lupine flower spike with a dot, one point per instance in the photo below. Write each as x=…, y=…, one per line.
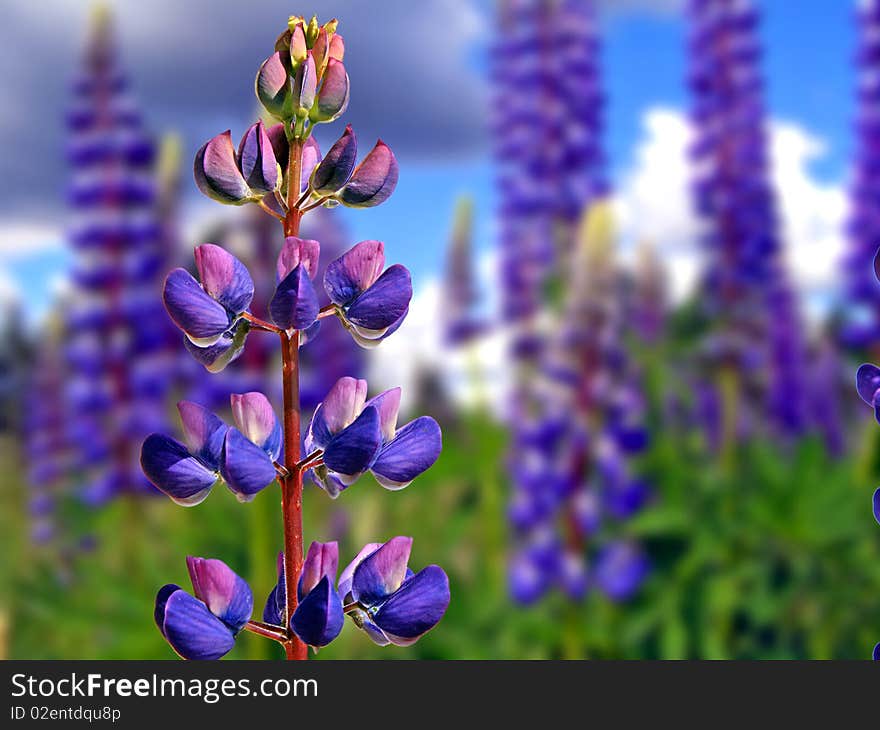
x=280, y=169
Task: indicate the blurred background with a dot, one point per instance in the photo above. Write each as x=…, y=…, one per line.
x=641, y=234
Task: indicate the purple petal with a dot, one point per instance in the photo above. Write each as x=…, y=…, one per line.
x=224, y=277
x=346, y=576
x=877, y=264
x=875, y=655
x=246, y=468
x=352, y=451
x=876, y=504
x=296, y=251
x=162, y=597
x=305, y=82
x=354, y=272
x=328, y=481
x=363, y=621
x=256, y=159
x=322, y=560
x=203, y=433
x=388, y=405
x=373, y=180
x=336, y=167
x=384, y=302
x=225, y=593
x=217, y=174
x=217, y=356
x=412, y=451
x=340, y=407
x=416, y=607
x=273, y=87
x=192, y=630
x=280, y=146
x=255, y=418
x=334, y=93
x=868, y=382
x=382, y=572
x=202, y=319
x=174, y=472
x=318, y=618
x=273, y=613
x=295, y=302
x=621, y=568
x=310, y=158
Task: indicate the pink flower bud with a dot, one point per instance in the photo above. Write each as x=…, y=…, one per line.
x=333, y=96
x=273, y=88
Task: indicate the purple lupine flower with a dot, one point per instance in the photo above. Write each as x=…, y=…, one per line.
x=186, y=472
x=238, y=177
x=861, y=326
x=117, y=343
x=206, y=310
x=621, y=567
x=318, y=617
x=356, y=435
x=372, y=303
x=746, y=286
x=868, y=386
x=393, y=605
x=294, y=305
x=204, y=625
x=243, y=455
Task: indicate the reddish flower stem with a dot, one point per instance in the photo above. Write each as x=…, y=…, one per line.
x=291, y=484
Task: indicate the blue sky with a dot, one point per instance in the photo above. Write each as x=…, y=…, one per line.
x=808, y=53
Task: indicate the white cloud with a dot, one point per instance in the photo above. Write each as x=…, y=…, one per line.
x=654, y=203
x=473, y=374
x=22, y=239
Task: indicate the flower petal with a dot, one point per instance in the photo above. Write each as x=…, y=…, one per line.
x=340, y=407
x=255, y=418
x=295, y=302
x=373, y=180
x=388, y=405
x=347, y=575
x=384, y=302
x=352, y=451
x=336, y=167
x=321, y=560
x=257, y=162
x=217, y=174
x=174, y=471
x=202, y=319
x=217, y=356
x=281, y=147
x=318, y=618
x=333, y=95
x=246, y=468
x=273, y=87
x=876, y=504
x=416, y=607
x=203, y=432
x=192, y=630
x=414, y=449
x=354, y=272
x=382, y=572
x=224, y=277
x=161, y=599
x=273, y=612
x=226, y=594
x=296, y=251
x=868, y=382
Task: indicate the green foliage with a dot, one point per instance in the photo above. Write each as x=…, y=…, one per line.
x=779, y=558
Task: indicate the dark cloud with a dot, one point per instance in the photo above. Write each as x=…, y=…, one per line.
x=413, y=65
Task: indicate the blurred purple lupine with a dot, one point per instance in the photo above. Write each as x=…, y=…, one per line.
x=861, y=327
x=745, y=286
x=574, y=481
x=548, y=108
x=280, y=169
x=116, y=343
